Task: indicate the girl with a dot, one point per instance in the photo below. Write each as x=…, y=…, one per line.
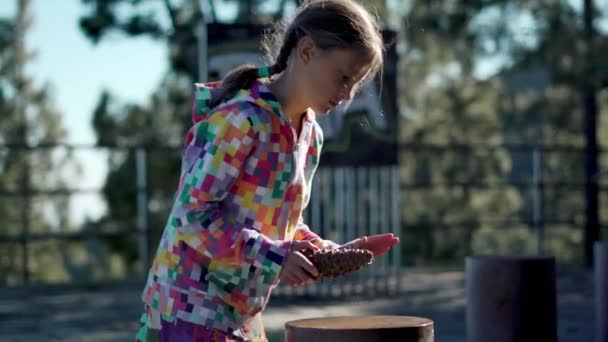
x=236, y=227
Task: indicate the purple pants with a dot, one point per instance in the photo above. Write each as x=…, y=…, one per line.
x=183, y=331
x=179, y=330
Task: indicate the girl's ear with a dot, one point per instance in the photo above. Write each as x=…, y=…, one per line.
x=306, y=49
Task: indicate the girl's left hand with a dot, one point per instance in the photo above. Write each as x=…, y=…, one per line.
x=377, y=244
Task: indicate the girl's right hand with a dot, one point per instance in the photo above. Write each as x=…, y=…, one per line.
x=298, y=270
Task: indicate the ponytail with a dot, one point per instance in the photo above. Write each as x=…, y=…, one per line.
x=239, y=78
x=242, y=77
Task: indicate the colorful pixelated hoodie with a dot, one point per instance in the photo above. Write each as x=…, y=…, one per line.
x=245, y=180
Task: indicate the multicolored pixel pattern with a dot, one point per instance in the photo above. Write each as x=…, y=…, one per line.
x=244, y=182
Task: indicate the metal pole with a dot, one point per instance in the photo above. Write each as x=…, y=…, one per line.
x=350, y=216
x=21, y=110
x=384, y=226
x=396, y=224
x=538, y=200
x=360, y=224
x=374, y=195
x=201, y=34
x=601, y=291
x=25, y=215
x=511, y=299
x=340, y=222
x=142, y=206
x=328, y=223
x=590, y=109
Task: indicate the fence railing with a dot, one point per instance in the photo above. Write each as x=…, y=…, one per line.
x=346, y=202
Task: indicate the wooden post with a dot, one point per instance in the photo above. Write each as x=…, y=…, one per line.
x=360, y=329
x=511, y=299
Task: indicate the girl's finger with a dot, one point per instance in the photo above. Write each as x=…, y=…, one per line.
x=302, y=245
x=308, y=267
x=299, y=276
x=306, y=277
x=290, y=280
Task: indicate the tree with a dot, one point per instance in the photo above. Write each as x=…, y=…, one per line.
x=29, y=117
x=447, y=203
x=536, y=101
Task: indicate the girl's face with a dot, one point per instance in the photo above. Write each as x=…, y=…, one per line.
x=330, y=77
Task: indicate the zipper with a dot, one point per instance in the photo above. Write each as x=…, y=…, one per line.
x=298, y=143
x=297, y=139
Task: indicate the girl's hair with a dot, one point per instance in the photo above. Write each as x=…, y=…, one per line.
x=331, y=24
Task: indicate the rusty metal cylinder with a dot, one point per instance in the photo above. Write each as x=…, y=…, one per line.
x=511, y=299
x=360, y=329
x=601, y=290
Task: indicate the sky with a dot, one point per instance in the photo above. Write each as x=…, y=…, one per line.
x=77, y=71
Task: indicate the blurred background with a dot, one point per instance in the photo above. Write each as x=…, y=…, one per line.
x=483, y=135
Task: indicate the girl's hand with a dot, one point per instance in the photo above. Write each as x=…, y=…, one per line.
x=298, y=270
x=377, y=244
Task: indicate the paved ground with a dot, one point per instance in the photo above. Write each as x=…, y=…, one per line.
x=109, y=312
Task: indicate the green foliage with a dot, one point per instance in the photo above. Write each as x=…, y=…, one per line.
x=534, y=98
x=28, y=117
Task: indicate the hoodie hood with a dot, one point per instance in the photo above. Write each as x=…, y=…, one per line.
x=258, y=94
x=202, y=99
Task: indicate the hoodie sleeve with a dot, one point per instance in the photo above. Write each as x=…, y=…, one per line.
x=303, y=232
x=214, y=157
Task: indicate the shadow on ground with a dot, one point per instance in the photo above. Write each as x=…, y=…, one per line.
x=110, y=312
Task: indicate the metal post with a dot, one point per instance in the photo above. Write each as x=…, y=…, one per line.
x=21, y=110
x=350, y=216
x=538, y=200
x=362, y=222
x=201, y=35
x=511, y=299
x=142, y=206
x=25, y=215
x=328, y=227
x=373, y=201
x=601, y=291
x=396, y=224
x=314, y=208
x=384, y=227
x=590, y=112
x=340, y=222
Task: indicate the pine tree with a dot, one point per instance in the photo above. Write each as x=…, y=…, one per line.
x=534, y=98
x=29, y=118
